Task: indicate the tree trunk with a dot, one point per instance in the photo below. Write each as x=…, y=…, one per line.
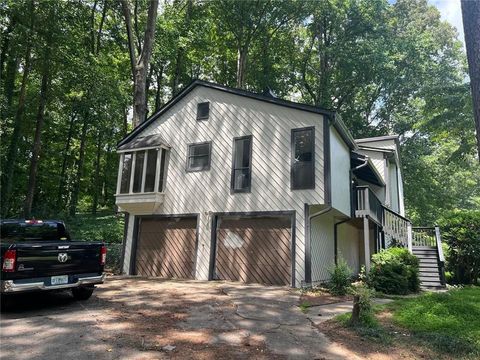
x=177, y=72
x=355, y=319
x=140, y=66
x=37, y=143
x=241, y=65
x=16, y=134
x=61, y=186
x=158, y=94
x=81, y=160
x=471, y=26
x=96, y=182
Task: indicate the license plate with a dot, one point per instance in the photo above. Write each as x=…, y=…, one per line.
x=59, y=280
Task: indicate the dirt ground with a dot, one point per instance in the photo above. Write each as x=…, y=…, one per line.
x=136, y=318
x=400, y=344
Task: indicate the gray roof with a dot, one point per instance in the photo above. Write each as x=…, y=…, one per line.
x=377, y=138
x=149, y=141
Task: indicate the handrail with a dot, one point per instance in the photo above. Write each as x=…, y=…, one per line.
x=438, y=237
x=396, y=214
x=441, y=256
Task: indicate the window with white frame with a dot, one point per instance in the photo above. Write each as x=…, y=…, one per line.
x=142, y=171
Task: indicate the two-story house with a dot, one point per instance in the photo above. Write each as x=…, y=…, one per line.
x=227, y=184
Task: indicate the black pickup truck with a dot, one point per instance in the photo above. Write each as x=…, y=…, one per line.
x=39, y=255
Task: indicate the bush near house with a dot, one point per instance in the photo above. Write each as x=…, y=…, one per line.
x=340, y=278
x=394, y=271
x=461, y=231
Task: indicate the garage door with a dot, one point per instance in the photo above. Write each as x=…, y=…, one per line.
x=254, y=250
x=166, y=247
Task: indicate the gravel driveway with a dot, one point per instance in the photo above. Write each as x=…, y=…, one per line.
x=135, y=318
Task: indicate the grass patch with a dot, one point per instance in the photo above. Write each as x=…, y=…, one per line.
x=449, y=322
x=370, y=329
x=304, y=306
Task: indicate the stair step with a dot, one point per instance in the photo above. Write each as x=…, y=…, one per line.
x=435, y=282
x=429, y=271
x=429, y=277
x=430, y=274
x=424, y=248
x=428, y=259
x=421, y=252
x=429, y=265
x=427, y=256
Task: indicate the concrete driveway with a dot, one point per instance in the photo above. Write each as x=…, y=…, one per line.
x=135, y=318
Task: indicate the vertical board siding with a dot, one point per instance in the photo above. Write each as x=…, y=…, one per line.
x=322, y=247
x=166, y=247
x=206, y=192
x=254, y=250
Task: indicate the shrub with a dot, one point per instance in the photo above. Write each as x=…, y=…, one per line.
x=340, y=278
x=461, y=231
x=394, y=271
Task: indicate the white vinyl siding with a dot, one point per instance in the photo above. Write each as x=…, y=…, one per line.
x=209, y=191
x=349, y=241
x=128, y=245
x=340, y=170
x=322, y=247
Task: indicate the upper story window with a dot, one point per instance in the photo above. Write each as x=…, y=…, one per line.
x=242, y=164
x=302, y=173
x=203, y=110
x=198, y=156
x=142, y=171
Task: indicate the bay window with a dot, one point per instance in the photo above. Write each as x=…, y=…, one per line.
x=141, y=171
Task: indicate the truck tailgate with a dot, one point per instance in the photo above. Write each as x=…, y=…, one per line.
x=49, y=259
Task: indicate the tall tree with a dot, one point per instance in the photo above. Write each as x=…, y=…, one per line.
x=9, y=169
x=40, y=119
x=140, y=53
x=471, y=26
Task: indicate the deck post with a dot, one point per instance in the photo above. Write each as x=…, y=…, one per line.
x=409, y=237
x=366, y=243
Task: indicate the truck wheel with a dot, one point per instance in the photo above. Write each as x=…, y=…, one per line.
x=82, y=293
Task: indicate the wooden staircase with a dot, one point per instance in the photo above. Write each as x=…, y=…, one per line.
x=427, y=247
x=430, y=268
x=424, y=242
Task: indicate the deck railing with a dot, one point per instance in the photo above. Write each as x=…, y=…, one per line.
x=368, y=204
x=424, y=236
x=397, y=229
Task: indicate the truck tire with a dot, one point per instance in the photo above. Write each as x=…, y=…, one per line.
x=82, y=293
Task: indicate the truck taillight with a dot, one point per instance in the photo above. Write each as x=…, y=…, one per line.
x=103, y=255
x=9, y=259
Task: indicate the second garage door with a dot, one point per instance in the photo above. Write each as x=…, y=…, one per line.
x=166, y=247
x=254, y=250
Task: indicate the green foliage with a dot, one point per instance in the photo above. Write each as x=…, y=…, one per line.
x=105, y=227
x=461, y=231
x=340, y=277
x=394, y=271
x=362, y=297
x=446, y=321
x=386, y=67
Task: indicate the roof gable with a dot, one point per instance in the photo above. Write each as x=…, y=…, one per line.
x=336, y=120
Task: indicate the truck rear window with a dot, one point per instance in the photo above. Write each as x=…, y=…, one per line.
x=14, y=232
